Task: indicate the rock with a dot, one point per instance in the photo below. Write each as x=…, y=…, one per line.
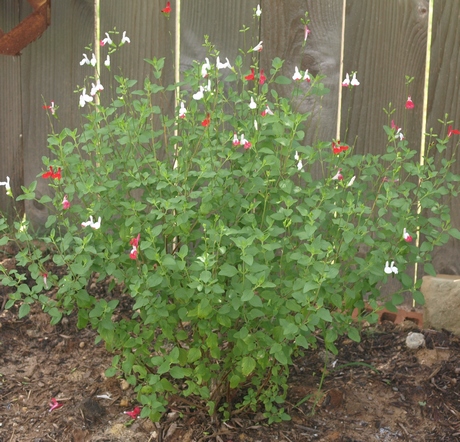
x=442, y=302
x=415, y=340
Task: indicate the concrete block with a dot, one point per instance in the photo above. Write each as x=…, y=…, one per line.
x=442, y=302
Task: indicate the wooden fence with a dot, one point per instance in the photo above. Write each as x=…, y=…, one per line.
x=383, y=40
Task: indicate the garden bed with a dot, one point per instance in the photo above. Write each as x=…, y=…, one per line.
x=376, y=390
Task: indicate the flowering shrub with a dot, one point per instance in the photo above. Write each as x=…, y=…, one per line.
x=239, y=245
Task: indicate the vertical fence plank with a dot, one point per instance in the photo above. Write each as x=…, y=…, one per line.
x=384, y=42
x=11, y=139
x=221, y=20
x=50, y=71
x=283, y=35
x=443, y=97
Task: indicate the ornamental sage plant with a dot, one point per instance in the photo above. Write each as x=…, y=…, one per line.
x=239, y=245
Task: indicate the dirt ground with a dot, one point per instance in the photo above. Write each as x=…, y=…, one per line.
x=377, y=390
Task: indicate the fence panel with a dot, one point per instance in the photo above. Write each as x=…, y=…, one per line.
x=11, y=139
x=50, y=70
x=384, y=42
x=443, y=97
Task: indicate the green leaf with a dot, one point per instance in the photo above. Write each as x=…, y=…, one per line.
x=23, y=310
x=324, y=314
x=228, y=270
x=281, y=79
x=354, y=335
x=248, y=365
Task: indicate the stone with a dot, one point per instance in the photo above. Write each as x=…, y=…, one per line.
x=415, y=340
x=442, y=302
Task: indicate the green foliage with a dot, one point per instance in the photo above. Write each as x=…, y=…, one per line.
x=246, y=254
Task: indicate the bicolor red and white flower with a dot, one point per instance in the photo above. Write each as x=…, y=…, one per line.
x=246, y=144
x=236, y=141
x=45, y=280
x=135, y=244
x=258, y=47
x=266, y=111
x=306, y=33
x=51, y=108
x=65, y=203
x=409, y=103
x=182, y=110
x=338, y=176
x=106, y=40
x=306, y=76
x=451, y=131
x=406, y=236
x=96, y=87
x=297, y=75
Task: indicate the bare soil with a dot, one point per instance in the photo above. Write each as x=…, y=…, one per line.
x=377, y=390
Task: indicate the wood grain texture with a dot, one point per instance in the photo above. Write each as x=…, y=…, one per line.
x=384, y=42
x=283, y=36
x=51, y=72
x=444, y=98
x=11, y=139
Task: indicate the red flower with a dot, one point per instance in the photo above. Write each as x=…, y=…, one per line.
x=207, y=121
x=54, y=404
x=167, y=9
x=337, y=148
x=262, y=77
x=251, y=76
x=52, y=174
x=409, y=103
x=451, y=131
x=137, y=410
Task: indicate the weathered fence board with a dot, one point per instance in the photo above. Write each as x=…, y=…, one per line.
x=283, y=36
x=384, y=41
x=11, y=140
x=444, y=97
x=50, y=70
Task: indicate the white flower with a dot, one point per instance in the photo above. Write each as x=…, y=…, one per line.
x=91, y=223
x=346, y=82
x=205, y=68
x=220, y=65
x=354, y=81
x=252, y=104
x=7, y=186
x=258, y=48
x=107, y=40
x=350, y=183
x=85, y=60
x=85, y=98
x=182, y=110
x=297, y=75
x=256, y=126
x=125, y=39
x=208, y=88
x=389, y=269
x=107, y=61
x=199, y=95
x=299, y=161
x=96, y=87
x=93, y=60
x=258, y=11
